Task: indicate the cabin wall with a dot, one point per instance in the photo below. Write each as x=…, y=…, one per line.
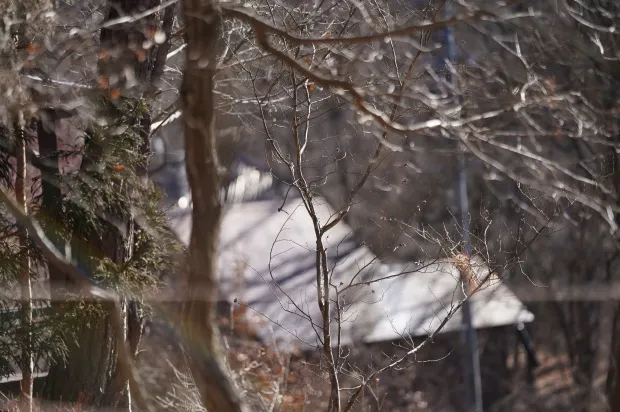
x=433, y=381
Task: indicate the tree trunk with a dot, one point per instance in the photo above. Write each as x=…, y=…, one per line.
x=51, y=196
x=202, y=31
x=613, y=374
x=602, y=354
x=84, y=378
x=90, y=374
x=27, y=357
x=84, y=375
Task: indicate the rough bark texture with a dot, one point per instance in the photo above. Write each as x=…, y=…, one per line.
x=202, y=30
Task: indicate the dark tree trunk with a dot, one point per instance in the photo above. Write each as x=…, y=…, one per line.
x=91, y=374
x=496, y=379
x=89, y=367
x=51, y=196
x=613, y=371
x=86, y=372
x=613, y=375
x=201, y=34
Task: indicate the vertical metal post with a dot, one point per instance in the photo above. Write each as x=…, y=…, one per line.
x=469, y=340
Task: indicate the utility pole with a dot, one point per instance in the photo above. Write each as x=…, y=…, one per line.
x=469, y=340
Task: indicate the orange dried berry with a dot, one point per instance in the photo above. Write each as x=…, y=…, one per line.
x=33, y=48
x=140, y=55
x=307, y=59
x=103, y=54
x=119, y=167
x=150, y=32
x=104, y=82
x=551, y=83
x=115, y=93
x=310, y=87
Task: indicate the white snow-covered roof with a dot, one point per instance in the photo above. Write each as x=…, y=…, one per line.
x=268, y=261
x=415, y=299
